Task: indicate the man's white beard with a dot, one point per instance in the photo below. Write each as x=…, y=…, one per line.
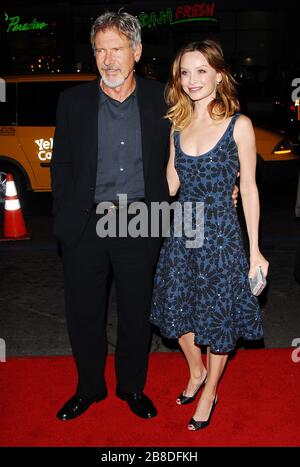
x=113, y=84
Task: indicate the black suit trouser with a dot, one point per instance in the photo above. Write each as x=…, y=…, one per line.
x=86, y=270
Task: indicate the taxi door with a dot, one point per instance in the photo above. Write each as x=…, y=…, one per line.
x=36, y=125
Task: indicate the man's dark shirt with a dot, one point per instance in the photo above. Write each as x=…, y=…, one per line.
x=120, y=163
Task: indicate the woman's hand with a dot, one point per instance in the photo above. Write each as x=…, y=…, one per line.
x=256, y=260
x=235, y=195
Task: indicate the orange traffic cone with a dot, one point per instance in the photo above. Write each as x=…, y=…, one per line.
x=14, y=225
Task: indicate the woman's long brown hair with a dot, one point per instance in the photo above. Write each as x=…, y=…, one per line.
x=181, y=106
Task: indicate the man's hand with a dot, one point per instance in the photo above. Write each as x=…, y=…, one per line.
x=235, y=193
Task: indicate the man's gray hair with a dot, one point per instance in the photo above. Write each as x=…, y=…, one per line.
x=123, y=22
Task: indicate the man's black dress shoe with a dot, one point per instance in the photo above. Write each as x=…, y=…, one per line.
x=76, y=406
x=138, y=402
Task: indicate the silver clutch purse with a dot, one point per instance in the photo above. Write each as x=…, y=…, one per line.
x=258, y=282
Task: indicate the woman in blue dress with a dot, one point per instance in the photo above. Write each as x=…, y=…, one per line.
x=202, y=295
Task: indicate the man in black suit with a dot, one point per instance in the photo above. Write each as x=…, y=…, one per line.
x=110, y=138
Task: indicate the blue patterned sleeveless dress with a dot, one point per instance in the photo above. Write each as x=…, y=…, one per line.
x=205, y=290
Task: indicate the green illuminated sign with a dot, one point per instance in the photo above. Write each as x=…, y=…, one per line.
x=203, y=11
x=14, y=24
x=154, y=19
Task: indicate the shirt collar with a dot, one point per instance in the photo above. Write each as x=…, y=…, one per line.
x=104, y=97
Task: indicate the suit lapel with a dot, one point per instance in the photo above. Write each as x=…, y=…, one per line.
x=146, y=123
x=92, y=120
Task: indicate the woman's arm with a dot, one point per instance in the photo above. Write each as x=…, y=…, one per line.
x=245, y=139
x=172, y=176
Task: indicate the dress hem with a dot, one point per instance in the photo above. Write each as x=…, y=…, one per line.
x=204, y=342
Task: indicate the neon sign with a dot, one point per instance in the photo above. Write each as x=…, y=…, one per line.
x=14, y=24
x=181, y=14
x=154, y=19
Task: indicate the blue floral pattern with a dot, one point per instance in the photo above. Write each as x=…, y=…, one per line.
x=205, y=290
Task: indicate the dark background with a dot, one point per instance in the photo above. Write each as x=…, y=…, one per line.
x=259, y=37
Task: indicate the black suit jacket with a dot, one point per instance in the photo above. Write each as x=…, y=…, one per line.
x=75, y=151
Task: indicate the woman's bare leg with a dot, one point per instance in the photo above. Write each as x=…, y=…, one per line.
x=216, y=364
x=193, y=356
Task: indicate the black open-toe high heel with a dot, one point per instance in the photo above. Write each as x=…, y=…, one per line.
x=199, y=424
x=186, y=399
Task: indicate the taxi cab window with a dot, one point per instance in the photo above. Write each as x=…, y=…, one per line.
x=8, y=108
x=37, y=102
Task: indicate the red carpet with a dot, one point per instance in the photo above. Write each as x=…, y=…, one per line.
x=259, y=404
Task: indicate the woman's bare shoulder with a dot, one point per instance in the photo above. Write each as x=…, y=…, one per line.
x=243, y=128
x=243, y=122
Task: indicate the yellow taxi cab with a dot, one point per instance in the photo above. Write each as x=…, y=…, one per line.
x=276, y=159
x=27, y=123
